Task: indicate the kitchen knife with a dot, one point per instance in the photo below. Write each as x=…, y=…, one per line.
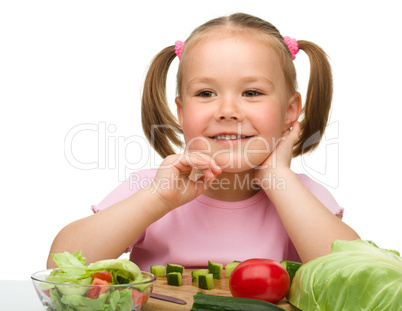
x=168, y=298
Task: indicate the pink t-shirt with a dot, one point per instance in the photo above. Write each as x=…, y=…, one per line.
x=208, y=229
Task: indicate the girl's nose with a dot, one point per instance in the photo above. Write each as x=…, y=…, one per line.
x=229, y=110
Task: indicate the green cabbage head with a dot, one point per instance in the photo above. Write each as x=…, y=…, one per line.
x=355, y=276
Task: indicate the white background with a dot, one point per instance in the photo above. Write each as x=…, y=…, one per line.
x=65, y=64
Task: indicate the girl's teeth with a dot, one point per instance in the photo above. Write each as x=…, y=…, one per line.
x=227, y=137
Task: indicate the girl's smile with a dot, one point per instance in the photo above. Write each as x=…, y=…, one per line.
x=233, y=103
x=229, y=137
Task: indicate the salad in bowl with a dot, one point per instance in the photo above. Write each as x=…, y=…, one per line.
x=113, y=284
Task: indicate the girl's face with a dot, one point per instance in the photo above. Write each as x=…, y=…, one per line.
x=233, y=104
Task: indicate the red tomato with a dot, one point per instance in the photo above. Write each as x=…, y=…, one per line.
x=262, y=279
x=138, y=297
x=103, y=275
x=95, y=291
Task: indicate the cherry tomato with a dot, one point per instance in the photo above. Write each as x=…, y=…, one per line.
x=262, y=279
x=138, y=298
x=95, y=291
x=103, y=275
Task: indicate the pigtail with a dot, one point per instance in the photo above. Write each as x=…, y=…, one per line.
x=318, y=99
x=160, y=126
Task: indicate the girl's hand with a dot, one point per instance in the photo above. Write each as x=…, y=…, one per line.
x=183, y=177
x=281, y=156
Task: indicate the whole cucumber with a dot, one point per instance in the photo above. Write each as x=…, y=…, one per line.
x=210, y=302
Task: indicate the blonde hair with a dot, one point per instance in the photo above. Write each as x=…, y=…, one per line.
x=162, y=128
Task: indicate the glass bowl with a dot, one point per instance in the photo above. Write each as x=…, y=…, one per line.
x=63, y=296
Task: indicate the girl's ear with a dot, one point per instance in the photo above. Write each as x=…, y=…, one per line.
x=293, y=111
x=179, y=108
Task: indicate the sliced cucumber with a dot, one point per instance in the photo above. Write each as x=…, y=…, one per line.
x=158, y=270
x=75, y=289
x=174, y=278
x=230, y=267
x=216, y=269
x=206, y=281
x=174, y=268
x=291, y=267
x=196, y=273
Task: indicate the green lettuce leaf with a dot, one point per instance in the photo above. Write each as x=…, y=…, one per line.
x=112, y=300
x=72, y=267
x=120, y=268
x=356, y=275
x=67, y=260
x=85, y=303
x=120, y=300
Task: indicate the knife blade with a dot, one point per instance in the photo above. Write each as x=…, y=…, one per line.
x=168, y=298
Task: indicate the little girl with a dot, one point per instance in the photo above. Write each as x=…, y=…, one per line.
x=231, y=194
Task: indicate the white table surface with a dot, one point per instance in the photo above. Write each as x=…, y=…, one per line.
x=19, y=296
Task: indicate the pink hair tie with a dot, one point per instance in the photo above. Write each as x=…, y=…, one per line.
x=292, y=46
x=178, y=48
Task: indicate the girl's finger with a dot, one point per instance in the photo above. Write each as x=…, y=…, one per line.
x=185, y=163
x=195, y=174
x=197, y=165
x=211, y=164
x=208, y=160
x=293, y=132
x=202, y=165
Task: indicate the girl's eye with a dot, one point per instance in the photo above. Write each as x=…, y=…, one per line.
x=251, y=93
x=206, y=94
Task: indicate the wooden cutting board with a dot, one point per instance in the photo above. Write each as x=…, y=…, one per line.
x=188, y=290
